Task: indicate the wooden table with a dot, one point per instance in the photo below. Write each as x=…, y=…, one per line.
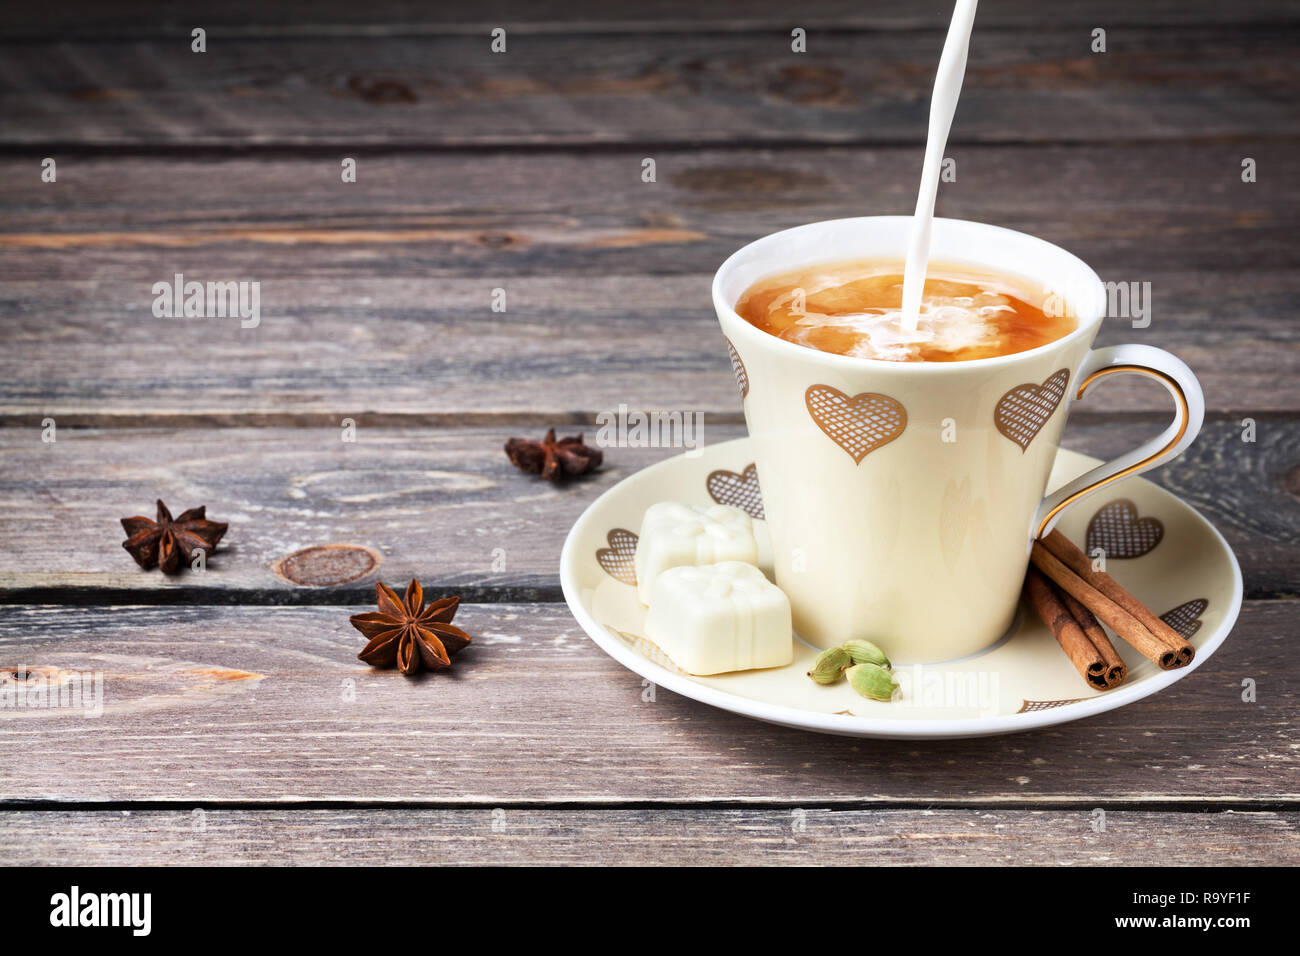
x=238, y=726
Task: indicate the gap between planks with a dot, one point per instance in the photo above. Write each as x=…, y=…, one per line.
x=559, y=145
x=631, y=28
x=305, y=596
x=1162, y=804
x=397, y=421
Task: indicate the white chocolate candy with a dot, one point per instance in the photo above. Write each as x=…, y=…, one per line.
x=674, y=534
x=720, y=617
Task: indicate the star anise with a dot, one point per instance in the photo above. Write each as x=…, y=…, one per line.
x=405, y=632
x=553, y=460
x=169, y=542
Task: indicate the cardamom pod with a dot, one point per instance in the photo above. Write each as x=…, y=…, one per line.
x=864, y=652
x=830, y=665
x=872, y=680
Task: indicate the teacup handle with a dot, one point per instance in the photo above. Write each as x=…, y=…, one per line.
x=1182, y=385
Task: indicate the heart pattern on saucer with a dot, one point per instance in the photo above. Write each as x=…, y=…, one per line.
x=738, y=490
x=860, y=424
x=1186, y=618
x=1120, y=533
x=618, y=560
x=738, y=369
x=1023, y=411
x=1029, y=706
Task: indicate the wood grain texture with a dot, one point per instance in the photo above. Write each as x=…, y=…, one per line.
x=133, y=19
x=689, y=87
x=238, y=730
x=606, y=277
x=1131, y=209
x=659, y=837
x=446, y=506
x=535, y=713
x=432, y=352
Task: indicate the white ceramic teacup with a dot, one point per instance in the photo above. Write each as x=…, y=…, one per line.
x=902, y=497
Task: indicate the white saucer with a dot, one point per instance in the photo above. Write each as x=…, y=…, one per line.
x=1022, y=682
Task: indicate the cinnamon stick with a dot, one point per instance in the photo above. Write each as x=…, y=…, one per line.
x=1078, y=562
x=1116, y=670
x=1121, y=620
x=1084, y=642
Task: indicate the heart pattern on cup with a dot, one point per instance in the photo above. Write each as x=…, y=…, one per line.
x=618, y=559
x=860, y=424
x=738, y=490
x=1186, y=618
x=738, y=369
x=1023, y=411
x=1120, y=533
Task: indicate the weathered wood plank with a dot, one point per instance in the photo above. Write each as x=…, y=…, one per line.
x=658, y=837
x=445, y=505
x=694, y=86
x=1127, y=208
x=269, y=705
x=253, y=18
x=91, y=353
x=604, y=275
